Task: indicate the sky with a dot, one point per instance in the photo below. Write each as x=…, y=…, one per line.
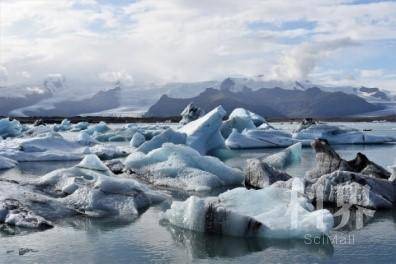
x=334, y=42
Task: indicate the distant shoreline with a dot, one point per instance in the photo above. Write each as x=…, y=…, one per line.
x=121, y=120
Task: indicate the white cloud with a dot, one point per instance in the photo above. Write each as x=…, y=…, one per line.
x=183, y=40
x=3, y=74
x=299, y=62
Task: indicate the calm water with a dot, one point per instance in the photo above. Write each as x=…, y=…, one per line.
x=146, y=240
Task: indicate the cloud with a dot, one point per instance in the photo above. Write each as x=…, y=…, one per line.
x=298, y=63
x=3, y=74
x=115, y=77
x=186, y=40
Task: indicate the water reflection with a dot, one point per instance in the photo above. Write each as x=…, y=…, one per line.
x=199, y=245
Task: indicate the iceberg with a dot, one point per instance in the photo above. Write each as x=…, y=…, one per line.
x=259, y=138
x=86, y=139
x=281, y=214
x=65, y=125
x=6, y=163
x=44, y=147
x=239, y=119
x=91, y=189
x=190, y=113
x=157, y=141
x=204, y=134
x=182, y=167
x=245, y=114
x=286, y=157
x=337, y=134
x=259, y=174
x=350, y=188
x=328, y=161
x=137, y=140
x=10, y=128
x=80, y=126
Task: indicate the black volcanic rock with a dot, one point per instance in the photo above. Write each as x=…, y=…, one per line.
x=274, y=102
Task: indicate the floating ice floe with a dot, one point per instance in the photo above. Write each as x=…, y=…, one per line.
x=6, y=163
x=91, y=189
x=44, y=147
x=337, y=134
x=259, y=138
x=204, y=134
x=269, y=212
x=190, y=113
x=10, y=128
x=179, y=166
x=108, y=151
x=259, y=174
x=137, y=140
x=168, y=136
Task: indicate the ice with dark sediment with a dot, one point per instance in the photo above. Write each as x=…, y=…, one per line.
x=190, y=113
x=269, y=212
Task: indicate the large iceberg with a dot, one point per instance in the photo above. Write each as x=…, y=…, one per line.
x=269, y=212
x=180, y=166
x=259, y=138
x=91, y=189
x=44, y=147
x=157, y=141
x=337, y=134
x=204, y=134
x=10, y=128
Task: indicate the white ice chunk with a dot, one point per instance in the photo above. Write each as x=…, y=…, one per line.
x=10, y=128
x=92, y=162
x=204, y=134
x=84, y=138
x=338, y=134
x=259, y=138
x=190, y=113
x=157, y=141
x=246, y=114
x=98, y=193
x=182, y=167
x=65, y=125
x=269, y=212
x=137, y=140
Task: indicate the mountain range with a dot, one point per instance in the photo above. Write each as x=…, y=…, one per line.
x=61, y=97
x=269, y=102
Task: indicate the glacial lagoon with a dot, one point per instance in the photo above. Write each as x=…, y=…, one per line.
x=147, y=239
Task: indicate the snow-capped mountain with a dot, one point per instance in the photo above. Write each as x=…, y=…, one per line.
x=56, y=92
